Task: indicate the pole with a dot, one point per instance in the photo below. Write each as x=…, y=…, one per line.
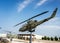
x=30, y=37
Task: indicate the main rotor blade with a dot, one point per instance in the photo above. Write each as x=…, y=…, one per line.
x=7, y=31
x=32, y=17
x=0, y=27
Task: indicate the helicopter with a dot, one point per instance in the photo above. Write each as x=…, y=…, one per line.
x=32, y=24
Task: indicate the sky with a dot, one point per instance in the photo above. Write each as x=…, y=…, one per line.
x=13, y=12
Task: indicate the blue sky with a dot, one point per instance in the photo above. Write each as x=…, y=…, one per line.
x=15, y=11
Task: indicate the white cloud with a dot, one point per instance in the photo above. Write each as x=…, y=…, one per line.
x=49, y=27
x=22, y=5
x=40, y=3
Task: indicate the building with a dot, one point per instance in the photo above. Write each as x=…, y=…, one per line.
x=3, y=35
x=27, y=36
x=39, y=37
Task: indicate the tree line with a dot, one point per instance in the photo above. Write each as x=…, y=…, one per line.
x=51, y=38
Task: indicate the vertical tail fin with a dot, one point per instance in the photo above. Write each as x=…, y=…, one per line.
x=54, y=13
x=52, y=16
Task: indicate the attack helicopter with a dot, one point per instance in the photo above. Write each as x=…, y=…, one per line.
x=32, y=24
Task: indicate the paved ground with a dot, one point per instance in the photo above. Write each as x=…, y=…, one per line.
x=45, y=41
x=16, y=42
x=36, y=41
